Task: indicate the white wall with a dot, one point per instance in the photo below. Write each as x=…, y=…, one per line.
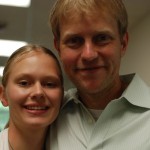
x=137, y=58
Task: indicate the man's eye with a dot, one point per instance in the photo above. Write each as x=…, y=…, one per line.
x=102, y=39
x=74, y=42
x=23, y=83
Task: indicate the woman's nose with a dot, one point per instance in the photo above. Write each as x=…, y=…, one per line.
x=37, y=91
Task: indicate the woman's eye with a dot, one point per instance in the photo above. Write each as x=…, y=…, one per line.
x=74, y=42
x=50, y=84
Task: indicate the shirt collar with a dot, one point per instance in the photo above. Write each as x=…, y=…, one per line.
x=71, y=96
x=137, y=92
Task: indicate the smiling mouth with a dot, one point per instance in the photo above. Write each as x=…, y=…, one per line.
x=89, y=68
x=36, y=107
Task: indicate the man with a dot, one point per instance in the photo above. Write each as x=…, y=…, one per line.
x=105, y=111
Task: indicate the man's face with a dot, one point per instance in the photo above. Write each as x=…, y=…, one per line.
x=91, y=49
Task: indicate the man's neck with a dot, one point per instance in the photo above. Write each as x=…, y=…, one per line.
x=100, y=100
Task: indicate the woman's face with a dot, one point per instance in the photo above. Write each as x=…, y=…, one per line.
x=34, y=91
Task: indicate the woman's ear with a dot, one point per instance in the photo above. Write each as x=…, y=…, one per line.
x=3, y=98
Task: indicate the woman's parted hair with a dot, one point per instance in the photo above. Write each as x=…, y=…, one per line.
x=20, y=53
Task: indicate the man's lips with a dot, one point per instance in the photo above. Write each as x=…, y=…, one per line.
x=89, y=68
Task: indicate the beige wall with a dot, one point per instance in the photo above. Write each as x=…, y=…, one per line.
x=137, y=58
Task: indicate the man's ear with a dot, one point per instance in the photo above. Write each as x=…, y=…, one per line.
x=3, y=98
x=56, y=44
x=124, y=43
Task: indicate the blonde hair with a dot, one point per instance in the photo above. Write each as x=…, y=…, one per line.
x=62, y=8
x=20, y=53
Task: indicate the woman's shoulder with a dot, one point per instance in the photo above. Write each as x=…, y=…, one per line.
x=4, y=139
x=4, y=133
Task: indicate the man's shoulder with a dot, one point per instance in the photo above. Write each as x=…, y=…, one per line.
x=70, y=93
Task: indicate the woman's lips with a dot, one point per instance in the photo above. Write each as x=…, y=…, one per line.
x=36, y=109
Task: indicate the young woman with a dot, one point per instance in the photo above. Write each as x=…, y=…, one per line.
x=32, y=87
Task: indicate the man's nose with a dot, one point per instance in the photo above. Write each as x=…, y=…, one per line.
x=89, y=52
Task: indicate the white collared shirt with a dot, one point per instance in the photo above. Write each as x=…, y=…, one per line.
x=123, y=125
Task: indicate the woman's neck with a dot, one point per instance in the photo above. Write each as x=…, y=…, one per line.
x=26, y=139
